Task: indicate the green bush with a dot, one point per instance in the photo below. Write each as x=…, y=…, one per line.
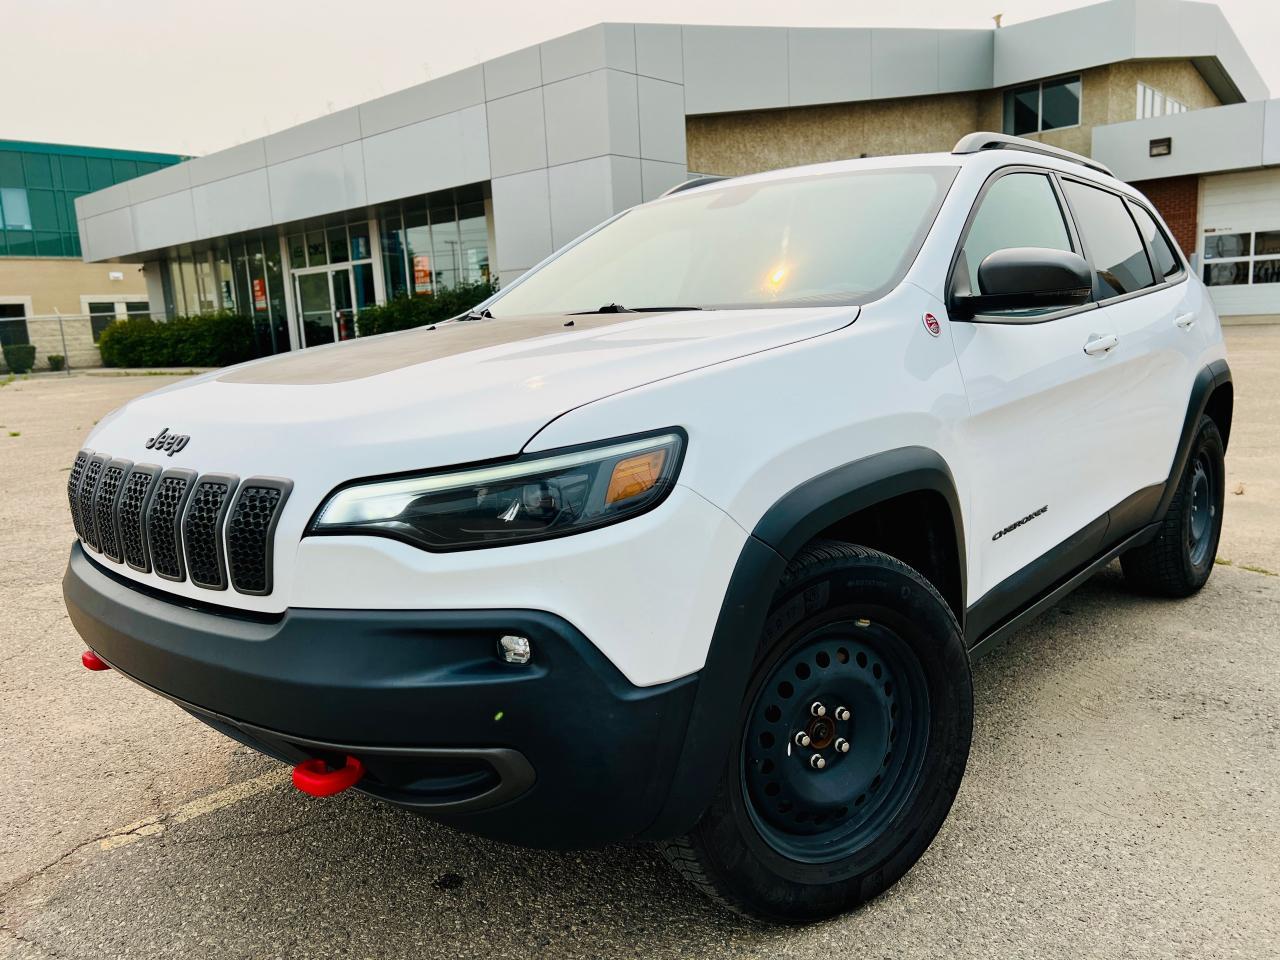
x=405, y=312
x=206, y=340
x=56, y=361
x=19, y=357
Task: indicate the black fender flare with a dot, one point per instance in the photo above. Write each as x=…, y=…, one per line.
x=1207, y=381
x=795, y=519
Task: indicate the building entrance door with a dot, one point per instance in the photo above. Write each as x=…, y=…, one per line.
x=326, y=301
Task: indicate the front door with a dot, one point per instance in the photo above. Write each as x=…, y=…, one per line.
x=1044, y=431
x=326, y=305
x=315, y=307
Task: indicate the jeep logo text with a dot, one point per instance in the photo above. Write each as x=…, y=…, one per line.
x=170, y=443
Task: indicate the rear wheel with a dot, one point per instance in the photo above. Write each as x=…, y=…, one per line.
x=852, y=741
x=1178, y=562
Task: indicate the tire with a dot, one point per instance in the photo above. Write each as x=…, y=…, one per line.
x=1178, y=562
x=784, y=842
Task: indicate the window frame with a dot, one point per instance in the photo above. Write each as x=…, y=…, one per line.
x=1056, y=178
x=1039, y=85
x=1125, y=199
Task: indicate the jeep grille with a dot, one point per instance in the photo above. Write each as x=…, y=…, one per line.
x=210, y=528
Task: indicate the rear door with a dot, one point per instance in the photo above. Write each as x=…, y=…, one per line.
x=1047, y=409
x=1142, y=294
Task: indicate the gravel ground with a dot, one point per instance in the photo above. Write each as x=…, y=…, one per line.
x=1121, y=798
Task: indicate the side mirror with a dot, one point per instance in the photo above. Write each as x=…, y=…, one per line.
x=1027, y=278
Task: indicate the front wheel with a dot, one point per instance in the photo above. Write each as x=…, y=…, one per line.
x=852, y=740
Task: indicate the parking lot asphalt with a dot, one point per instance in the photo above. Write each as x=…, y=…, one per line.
x=1121, y=798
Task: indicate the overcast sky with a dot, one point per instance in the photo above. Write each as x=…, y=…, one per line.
x=185, y=77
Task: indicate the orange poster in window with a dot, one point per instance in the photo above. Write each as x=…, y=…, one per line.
x=421, y=274
x=259, y=294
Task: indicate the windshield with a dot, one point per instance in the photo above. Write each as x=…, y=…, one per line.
x=811, y=241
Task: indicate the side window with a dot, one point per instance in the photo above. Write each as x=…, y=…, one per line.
x=1019, y=210
x=1111, y=240
x=1167, y=262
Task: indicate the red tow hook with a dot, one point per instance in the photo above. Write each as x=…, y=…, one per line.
x=314, y=776
x=92, y=661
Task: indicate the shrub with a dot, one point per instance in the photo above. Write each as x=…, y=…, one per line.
x=19, y=357
x=56, y=361
x=206, y=340
x=405, y=312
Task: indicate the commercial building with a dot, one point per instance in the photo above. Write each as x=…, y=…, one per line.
x=482, y=173
x=49, y=295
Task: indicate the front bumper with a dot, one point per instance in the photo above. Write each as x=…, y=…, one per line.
x=561, y=752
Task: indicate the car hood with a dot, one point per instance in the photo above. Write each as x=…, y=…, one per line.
x=454, y=393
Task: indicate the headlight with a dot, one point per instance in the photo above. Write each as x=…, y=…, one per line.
x=532, y=498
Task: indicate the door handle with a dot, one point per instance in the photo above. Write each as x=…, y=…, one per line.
x=1186, y=321
x=1098, y=344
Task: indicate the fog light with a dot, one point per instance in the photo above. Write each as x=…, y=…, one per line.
x=515, y=649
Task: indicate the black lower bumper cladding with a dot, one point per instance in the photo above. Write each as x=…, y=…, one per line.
x=560, y=752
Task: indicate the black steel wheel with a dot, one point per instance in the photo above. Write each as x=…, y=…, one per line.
x=852, y=741
x=1179, y=560
x=835, y=740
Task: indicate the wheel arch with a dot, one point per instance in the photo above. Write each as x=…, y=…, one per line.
x=826, y=504
x=1212, y=393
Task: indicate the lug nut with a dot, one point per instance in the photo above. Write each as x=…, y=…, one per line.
x=802, y=739
x=817, y=761
x=842, y=744
x=817, y=709
x=842, y=713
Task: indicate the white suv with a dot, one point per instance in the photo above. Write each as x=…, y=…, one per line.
x=690, y=534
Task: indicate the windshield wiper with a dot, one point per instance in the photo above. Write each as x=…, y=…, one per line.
x=619, y=308
x=483, y=314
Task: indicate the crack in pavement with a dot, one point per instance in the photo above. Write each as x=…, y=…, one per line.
x=154, y=825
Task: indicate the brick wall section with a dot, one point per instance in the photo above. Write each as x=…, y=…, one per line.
x=1176, y=198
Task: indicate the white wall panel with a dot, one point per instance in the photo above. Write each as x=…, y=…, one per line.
x=232, y=204
x=734, y=68
x=662, y=126
x=431, y=155
x=317, y=183
x=227, y=163
x=164, y=181
x=581, y=197
x=966, y=59
x=322, y=133
x=595, y=48
x=904, y=63
x=102, y=201
x=521, y=220
x=829, y=66
x=517, y=133
x=659, y=51
x=447, y=94
x=511, y=73
x=164, y=221
x=591, y=115
x=108, y=234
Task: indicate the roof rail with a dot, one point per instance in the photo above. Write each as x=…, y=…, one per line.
x=690, y=184
x=977, y=142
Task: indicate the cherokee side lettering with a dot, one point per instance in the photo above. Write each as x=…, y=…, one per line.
x=1014, y=526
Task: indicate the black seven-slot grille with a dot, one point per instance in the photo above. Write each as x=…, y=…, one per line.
x=210, y=528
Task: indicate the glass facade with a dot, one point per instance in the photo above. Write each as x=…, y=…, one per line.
x=242, y=274
x=39, y=183
x=434, y=241
x=333, y=267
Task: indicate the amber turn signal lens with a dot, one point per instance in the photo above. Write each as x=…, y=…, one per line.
x=635, y=475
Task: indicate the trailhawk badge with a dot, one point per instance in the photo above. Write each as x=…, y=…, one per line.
x=170, y=443
x=932, y=325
